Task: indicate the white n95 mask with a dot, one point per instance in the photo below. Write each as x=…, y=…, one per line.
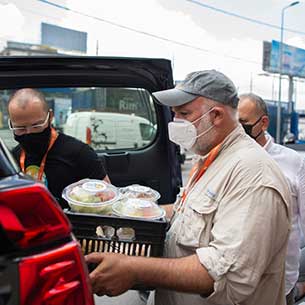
x=184, y=133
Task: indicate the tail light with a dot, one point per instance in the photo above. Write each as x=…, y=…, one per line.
x=88, y=136
x=56, y=277
x=30, y=216
x=33, y=220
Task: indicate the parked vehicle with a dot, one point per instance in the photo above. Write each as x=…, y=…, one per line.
x=40, y=261
x=108, y=130
x=147, y=157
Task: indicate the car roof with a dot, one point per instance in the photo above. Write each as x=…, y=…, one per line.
x=152, y=74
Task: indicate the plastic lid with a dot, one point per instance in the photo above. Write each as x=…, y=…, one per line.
x=140, y=192
x=90, y=192
x=139, y=208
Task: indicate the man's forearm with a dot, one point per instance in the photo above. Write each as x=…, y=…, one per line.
x=185, y=274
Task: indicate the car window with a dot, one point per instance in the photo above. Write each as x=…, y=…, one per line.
x=105, y=118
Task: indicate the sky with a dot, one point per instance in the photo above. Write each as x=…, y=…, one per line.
x=194, y=34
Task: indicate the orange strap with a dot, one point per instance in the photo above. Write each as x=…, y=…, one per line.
x=53, y=138
x=196, y=173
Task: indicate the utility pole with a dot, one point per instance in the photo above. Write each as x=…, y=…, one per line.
x=251, y=82
x=96, y=51
x=278, y=120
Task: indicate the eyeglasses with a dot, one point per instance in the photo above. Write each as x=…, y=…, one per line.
x=23, y=129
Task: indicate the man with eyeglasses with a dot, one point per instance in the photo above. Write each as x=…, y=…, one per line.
x=53, y=158
x=253, y=115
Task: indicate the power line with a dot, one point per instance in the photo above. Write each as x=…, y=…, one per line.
x=147, y=33
x=274, y=26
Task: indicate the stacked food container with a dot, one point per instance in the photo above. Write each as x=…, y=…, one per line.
x=124, y=220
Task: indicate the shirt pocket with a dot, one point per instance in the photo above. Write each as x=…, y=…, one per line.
x=196, y=222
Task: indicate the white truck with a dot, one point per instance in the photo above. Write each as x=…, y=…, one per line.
x=110, y=130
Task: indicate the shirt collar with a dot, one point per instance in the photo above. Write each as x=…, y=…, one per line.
x=269, y=142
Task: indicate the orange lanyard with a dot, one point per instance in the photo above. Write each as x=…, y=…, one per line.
x=53, y=138
x=197, y=173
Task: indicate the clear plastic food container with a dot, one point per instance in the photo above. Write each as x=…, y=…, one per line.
x=138, y=208
x=91, y=196
x=139, y=192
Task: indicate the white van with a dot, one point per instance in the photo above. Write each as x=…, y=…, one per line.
x=109, y=130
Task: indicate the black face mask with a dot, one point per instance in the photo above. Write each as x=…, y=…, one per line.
x=35, y=143
x=249, y=127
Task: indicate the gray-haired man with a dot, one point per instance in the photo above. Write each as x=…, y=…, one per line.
x=229, y=231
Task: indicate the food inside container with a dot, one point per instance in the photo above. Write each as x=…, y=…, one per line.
x=138, y=208
x=140, y=192
x=91, y=196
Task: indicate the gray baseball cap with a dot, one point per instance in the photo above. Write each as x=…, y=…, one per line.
x=208, y=83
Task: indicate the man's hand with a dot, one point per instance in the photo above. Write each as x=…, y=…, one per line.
x=113, y=276
x=168, y=209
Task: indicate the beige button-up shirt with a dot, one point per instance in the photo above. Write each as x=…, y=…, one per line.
x=237, y=219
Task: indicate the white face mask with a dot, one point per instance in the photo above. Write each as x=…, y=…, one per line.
x=184, y=133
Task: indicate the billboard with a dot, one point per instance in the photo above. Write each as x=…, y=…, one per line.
x=63, y=38
x=293, y=60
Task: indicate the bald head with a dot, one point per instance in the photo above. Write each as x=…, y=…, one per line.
x=259, y=105
x=28, y=107
x=25, y=98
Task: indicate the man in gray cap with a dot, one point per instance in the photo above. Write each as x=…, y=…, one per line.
x=230, y=227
